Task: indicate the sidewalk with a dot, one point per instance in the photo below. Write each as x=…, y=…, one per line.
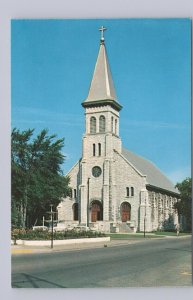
x=20, y=249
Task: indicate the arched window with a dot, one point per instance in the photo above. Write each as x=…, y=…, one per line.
x=132, y=191
x=75, y=211
x=116, y=126
x=70, y=193
x=112, y=120
x=152, y=215
x=125, y=212
x=171, y=202
x=102, y=124
x=93, y=149
x=99, y=145
x=92, y=125
x=127, y=191
x=74, y=193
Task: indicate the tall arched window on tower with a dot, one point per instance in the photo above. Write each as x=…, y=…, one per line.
x=92, y=125
x=112, y=120
x=102, y=124
x=94, y=150
x=132, y=191
x=99, y=149
x=116, y=126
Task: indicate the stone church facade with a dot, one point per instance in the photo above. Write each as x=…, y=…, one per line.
x=113, y=189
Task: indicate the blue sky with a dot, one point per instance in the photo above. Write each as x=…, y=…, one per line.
x=150, y=60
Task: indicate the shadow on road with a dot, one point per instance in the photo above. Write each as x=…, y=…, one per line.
x=30, y=281
x=178, y=249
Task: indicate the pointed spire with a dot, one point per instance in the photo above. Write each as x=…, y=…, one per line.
x=102, y=87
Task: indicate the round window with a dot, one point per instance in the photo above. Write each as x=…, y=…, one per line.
x=96, y=171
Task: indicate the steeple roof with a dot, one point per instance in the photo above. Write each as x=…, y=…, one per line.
x=102, y=88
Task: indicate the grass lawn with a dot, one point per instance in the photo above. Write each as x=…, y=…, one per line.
x=170, y=233
x=141, y=235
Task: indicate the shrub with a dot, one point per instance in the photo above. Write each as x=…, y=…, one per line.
x=28, y=234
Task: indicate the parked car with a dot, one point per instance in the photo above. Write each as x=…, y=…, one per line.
x=40, y=228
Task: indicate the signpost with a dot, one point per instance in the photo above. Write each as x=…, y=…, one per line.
x=51, y=212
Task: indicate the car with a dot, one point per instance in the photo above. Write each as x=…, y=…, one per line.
x=43, y=228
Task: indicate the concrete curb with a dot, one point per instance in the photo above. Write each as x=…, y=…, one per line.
x=61, y=242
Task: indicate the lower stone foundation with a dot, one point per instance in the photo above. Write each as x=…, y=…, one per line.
x=102, y=226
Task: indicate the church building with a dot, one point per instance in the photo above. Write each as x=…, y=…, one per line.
x=113, y=189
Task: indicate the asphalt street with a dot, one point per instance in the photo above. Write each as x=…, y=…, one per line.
x=150, y=262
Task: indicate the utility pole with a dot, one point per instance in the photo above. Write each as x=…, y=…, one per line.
x=88, y=202
x=52, y=222
x=144, y=219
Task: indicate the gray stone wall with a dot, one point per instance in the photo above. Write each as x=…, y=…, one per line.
x=163, y=214
x=127, y=176
x=65, y=212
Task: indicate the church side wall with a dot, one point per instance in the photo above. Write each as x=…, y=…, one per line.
x=163, y=215
x=65, y=212
x=65, y=207
x=127, y=177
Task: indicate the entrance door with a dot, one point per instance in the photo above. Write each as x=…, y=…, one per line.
x=75, y=211
x=96, y=212
x=125, y=212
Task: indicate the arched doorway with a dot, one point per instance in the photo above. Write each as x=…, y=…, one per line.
x=125, y=212
x=96, y=211
x=75, y=211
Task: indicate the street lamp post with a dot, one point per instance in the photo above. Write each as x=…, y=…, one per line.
x=51, y=212
x=88, y=186
x=144, y=219
x=52, y=222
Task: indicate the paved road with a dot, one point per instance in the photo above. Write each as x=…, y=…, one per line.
x=165, y=262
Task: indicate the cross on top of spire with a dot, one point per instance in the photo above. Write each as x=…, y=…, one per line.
x=102, y=29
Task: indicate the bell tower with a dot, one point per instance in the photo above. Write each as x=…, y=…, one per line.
x=101, y=108
x=100, y=139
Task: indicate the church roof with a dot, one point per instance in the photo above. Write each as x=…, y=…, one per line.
x=155, y=177
x=102, y=88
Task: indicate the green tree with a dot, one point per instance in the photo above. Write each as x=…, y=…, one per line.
x=184, y=207
x=37, y=178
